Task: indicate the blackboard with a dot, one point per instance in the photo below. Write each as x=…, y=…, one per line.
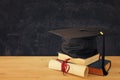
x=24, y=24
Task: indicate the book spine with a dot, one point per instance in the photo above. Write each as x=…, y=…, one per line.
x=78, y=70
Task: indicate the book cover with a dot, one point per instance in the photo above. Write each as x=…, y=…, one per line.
x=96, y=67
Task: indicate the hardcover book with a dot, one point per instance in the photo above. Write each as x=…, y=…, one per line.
x=96, y=67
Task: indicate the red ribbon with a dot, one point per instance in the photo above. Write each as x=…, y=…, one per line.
x=64, y=66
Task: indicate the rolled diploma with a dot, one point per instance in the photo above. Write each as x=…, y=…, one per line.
x=79, y=70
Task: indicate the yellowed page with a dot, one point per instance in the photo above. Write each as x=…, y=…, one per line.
x=79, y=60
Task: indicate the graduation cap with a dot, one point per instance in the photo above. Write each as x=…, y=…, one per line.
x=80, y=42
x=77, y=42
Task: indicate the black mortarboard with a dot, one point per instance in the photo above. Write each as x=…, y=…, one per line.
x=77, y=42
x=80, y=42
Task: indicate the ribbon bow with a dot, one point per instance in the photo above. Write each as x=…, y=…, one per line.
x=64, y=66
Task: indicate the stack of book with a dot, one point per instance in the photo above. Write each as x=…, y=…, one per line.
x=79, y=54
x=80, y=66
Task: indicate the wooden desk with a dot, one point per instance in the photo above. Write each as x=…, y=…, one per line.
x=36, y=68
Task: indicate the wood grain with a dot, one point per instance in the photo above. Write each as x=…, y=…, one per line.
x=36, y=68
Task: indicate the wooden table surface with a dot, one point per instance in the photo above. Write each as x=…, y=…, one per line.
x=36, y=68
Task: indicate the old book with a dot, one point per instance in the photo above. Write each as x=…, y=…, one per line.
x=79, y=70
x=80, y=61
x=96, y=67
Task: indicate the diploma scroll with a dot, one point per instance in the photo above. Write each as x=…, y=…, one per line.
x=79, y=70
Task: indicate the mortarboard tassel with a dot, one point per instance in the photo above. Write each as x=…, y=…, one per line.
x=103, y=54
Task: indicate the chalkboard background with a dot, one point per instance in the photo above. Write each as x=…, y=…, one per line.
x=24, y=24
